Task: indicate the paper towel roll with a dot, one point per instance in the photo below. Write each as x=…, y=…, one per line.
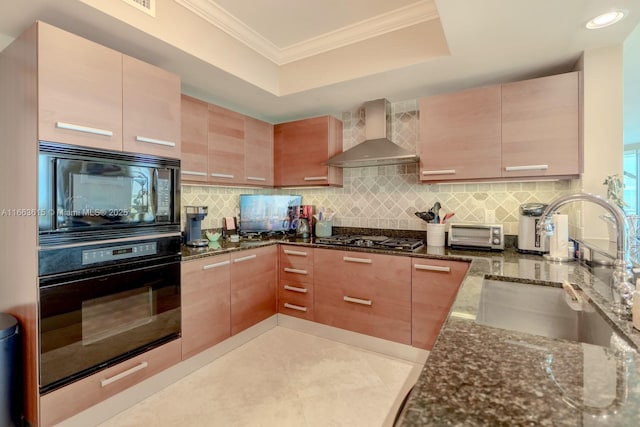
x=559, y=242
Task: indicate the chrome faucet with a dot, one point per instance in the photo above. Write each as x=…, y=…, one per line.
x=622, y=285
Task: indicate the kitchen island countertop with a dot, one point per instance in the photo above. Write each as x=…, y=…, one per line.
x=482, y=376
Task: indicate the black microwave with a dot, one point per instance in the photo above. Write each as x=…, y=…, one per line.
x=86, y=194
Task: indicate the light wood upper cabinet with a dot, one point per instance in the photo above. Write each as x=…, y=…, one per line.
x=94, y=96
x=541, y=127
x=206, y=303
x=79, y=90
x=150, y=109
x=301, y=148
x=434, y=285
x=226, y=146
x=195, y=146
x=460, y=135
x=258, y=152
x=525, y=129
x=253, y=287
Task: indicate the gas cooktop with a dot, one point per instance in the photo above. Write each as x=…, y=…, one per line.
x=373, y=242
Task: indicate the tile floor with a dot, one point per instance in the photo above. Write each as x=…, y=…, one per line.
x=282, y=378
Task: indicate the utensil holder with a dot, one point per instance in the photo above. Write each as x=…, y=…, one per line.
x=435, y=234
x=324, y=228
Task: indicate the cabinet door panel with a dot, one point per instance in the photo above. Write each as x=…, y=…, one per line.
x=226, y=146
x=79, y=90
x=206, y=303
x=195, y=146
x=258, y=152
x=460, y=135
x=433, y=292
x=253, y=287
x=150, y=109
x=541, y=127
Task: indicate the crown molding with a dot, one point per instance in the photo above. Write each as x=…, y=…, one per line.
x=421, y=11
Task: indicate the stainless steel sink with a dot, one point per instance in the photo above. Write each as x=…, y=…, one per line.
x=541, y=310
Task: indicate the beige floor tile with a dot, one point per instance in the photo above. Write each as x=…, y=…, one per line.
x=281, y=378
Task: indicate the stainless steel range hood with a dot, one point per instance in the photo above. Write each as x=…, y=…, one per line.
x=377, y=149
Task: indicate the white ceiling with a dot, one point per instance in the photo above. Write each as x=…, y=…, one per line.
x=224, y=50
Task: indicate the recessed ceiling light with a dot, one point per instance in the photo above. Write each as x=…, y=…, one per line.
x=606, y=19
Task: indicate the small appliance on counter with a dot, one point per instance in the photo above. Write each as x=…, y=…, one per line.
x=193, y=231
x=305, y=221
x=487, y=237
x=529, y=241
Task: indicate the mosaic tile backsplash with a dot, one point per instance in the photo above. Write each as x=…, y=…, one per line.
x=388, y=196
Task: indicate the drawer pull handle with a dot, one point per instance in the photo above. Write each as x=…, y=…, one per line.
x=256, y=178
x=360, y=260
x=358, y=300
x=155, y=141
x=440, y=172
x=315, y=178
x=295, y=270
x=245, y=258
x=194, y=173
x=215, y=265
x=295, y=307
x=297, y=253
x=222, y=175
x=526, y=168
x=121, y=375
x=295, y=289
x=433, y=268
x=85, y=129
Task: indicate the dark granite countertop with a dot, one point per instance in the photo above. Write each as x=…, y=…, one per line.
x=482, y=376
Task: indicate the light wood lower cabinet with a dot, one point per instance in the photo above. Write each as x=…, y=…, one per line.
x=206, y=303
x=435, y=284
x=295, y=281
x=364, y=292
x=80, y=395
x=253, y=287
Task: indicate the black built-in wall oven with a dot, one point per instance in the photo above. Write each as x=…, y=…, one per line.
x=108, y=258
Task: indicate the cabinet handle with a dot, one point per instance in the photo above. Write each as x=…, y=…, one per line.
x=194, y=173
x=85, y=129
x=315, y=178
x=295, y=289
x=357, y=300
x=295, y=307
x=121, y=375
x=526, y=168
x=222, y=175
x=440, y=172
x=360, y=260
x=155, y=141
x=215, y=265
x=297, y=253
x=245, y=258
x=295, y=270
x=432, y=268
x=256, y=178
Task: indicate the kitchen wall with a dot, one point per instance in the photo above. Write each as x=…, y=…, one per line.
x=388, y=196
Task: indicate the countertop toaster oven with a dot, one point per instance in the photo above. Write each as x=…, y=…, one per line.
x=476, y=236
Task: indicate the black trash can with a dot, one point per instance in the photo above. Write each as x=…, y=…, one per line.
x=10, y=372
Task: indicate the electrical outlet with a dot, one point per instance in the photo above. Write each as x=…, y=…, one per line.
x=489, y=217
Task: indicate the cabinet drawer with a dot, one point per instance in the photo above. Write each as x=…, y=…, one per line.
x=296, y=264
x=296, y=299
x=379, y=309
x=358, y=267
x=80, y=395
x=435, y=284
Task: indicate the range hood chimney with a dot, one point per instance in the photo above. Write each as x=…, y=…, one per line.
x=377, y=149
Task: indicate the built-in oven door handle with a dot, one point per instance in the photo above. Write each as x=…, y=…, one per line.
x=215, y=265
x=121, y=375
x=85, y=129
x=245, y=258
x=155, y=141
